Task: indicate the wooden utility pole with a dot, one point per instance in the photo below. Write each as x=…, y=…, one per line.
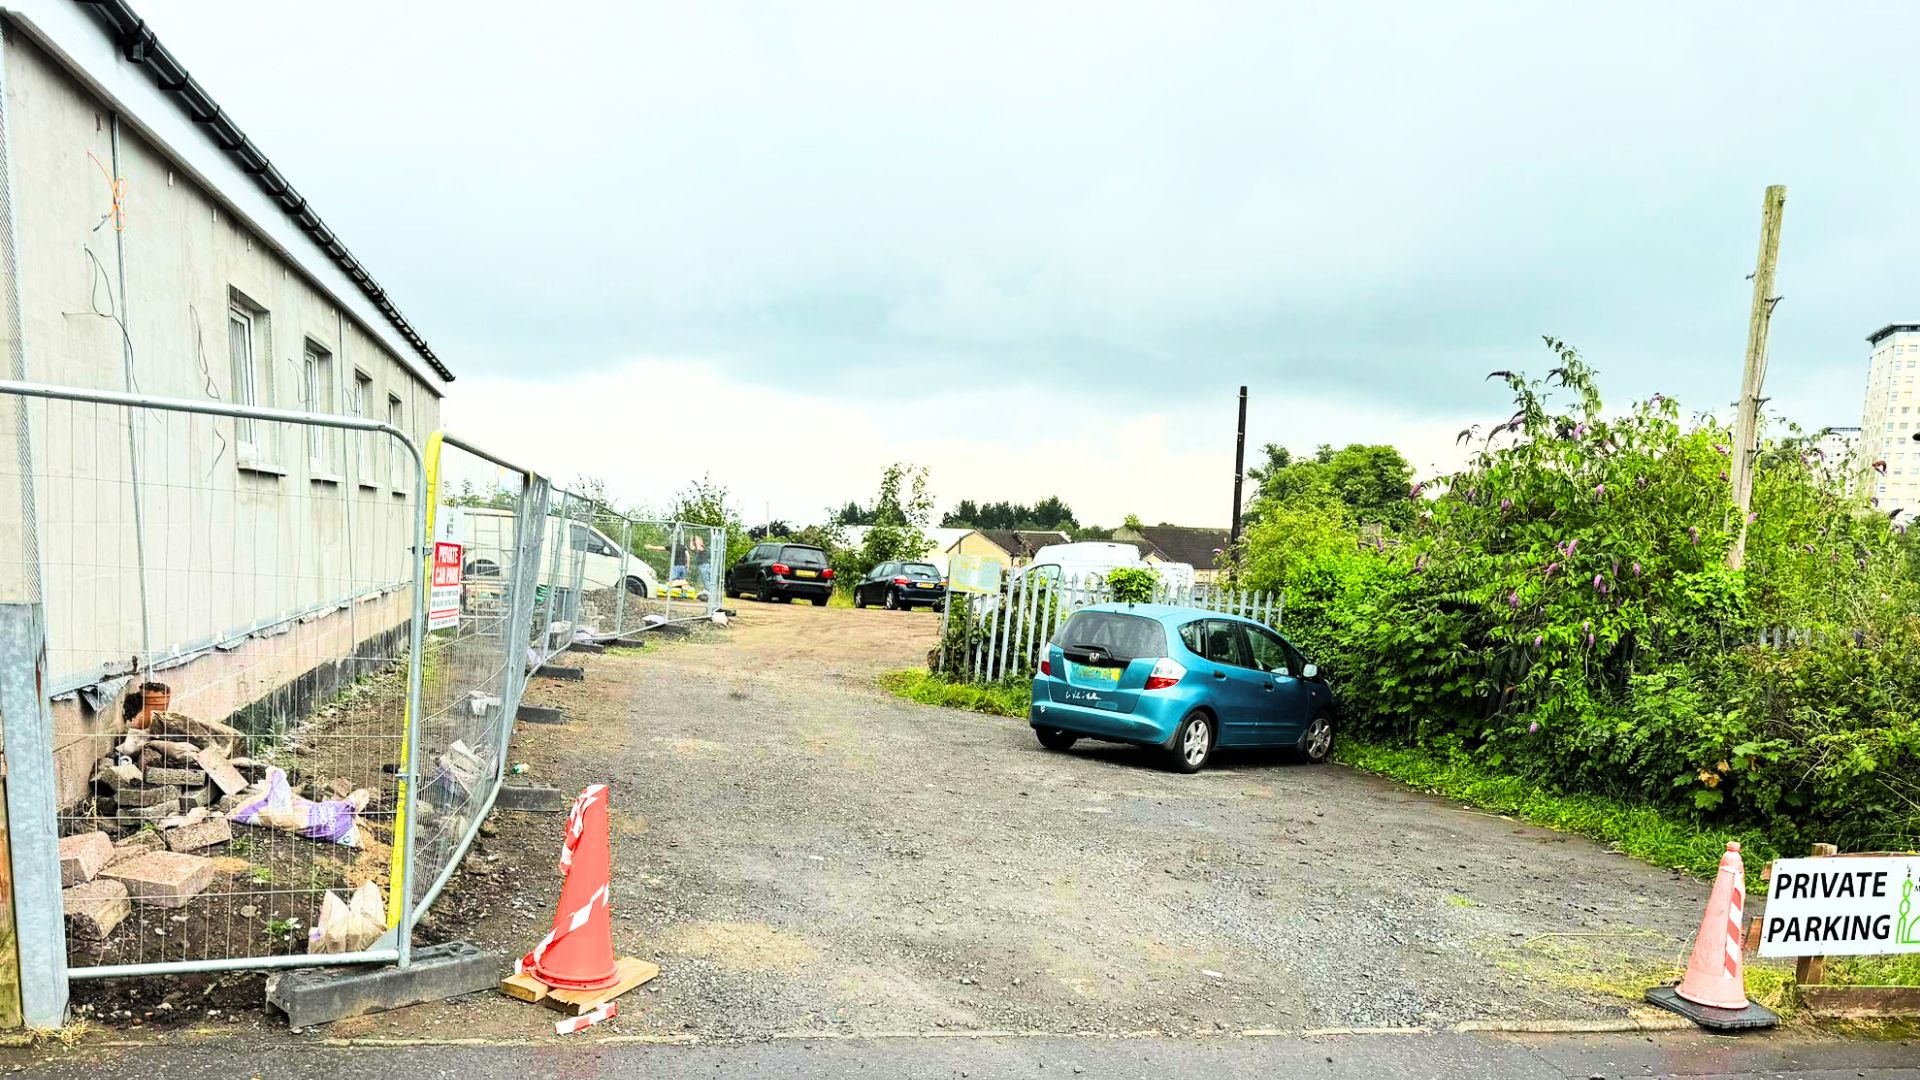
x=1239, y=466
x=1746, y=426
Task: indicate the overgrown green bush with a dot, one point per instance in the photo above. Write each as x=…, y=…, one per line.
x=1563, y=610
x=1132, y=584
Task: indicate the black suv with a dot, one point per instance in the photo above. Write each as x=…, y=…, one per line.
x=783, y=572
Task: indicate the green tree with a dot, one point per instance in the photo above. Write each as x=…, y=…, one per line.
x=1369, y=482
x=902, y=512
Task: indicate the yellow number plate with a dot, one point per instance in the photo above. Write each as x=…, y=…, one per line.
x=806, y=573
x=1098, y=674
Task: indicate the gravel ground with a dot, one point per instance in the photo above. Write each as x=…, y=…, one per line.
x=802, y=853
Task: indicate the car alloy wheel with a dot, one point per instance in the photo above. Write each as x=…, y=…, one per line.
x=1319, y=739
x=1194, y=745
x=893, y=600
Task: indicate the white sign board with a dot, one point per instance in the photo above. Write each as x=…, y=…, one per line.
x=1843, y=907
x=443, y=601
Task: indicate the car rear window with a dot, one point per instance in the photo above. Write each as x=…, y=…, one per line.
x=803, y=556
x=1123, y=637
x=921, y=569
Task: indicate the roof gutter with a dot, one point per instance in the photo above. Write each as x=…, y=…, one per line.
x=139, y=46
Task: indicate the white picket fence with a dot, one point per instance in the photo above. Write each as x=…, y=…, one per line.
x=987, y=638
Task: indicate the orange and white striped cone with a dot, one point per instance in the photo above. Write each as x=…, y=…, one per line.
x=577, y=954
x=1714, y=992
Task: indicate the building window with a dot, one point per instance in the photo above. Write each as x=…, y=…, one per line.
x=357, y=405
x=396, y=460
x=319, y=373
x=247, y=344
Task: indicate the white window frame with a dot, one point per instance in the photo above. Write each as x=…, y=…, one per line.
x=357, y=405
x=319, y=372
x=252, y=381
x=396, y=461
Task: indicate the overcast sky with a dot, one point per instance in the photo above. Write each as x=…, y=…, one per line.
x=1037, y=247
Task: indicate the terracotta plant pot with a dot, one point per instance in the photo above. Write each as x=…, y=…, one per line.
x=154, y=697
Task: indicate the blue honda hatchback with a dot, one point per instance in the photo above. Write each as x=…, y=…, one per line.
x=1183, y=680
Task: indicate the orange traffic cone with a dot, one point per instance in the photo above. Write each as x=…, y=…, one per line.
x=1714, y=992
x=578, y=953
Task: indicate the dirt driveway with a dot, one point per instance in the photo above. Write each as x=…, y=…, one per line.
x=802, y=853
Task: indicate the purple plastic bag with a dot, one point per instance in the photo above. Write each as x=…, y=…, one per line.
x=279, y=808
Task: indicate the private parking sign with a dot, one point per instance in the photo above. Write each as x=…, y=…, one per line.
x=1843, y=907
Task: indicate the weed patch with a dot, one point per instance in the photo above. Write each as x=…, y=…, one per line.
x=1006, y=698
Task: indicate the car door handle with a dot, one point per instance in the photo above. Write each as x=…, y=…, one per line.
x=1269, y=686
x=1221, y=675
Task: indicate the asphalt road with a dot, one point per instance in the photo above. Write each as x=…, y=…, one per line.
x=1474, y=1057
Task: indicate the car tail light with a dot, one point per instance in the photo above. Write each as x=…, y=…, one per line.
x=1165, y=673
x=901, y=581
x=1046, y=667
x=827, y=573
x=781, y=569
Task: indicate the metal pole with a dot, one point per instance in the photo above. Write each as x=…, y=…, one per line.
x=1239, y=466
x=620, y=601
x=33, y=817
x=1746, y=449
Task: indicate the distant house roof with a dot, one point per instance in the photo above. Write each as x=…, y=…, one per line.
x=945, y=539
x=938, y=540
x=1199, y=548
x=1022, y=543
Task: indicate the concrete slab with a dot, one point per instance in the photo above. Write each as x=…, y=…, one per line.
x=531, y=799
x=322, y=995
x=221, y=771
x=557, y=671
x=539, y=714
x=163, y=878
x=179, y=777
x=130, y=797
x=199, y=836
x=82, y=857
x=586, y=647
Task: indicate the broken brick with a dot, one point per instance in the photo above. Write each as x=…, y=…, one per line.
x=82, y=857
x=93, y=909
x=163, y=878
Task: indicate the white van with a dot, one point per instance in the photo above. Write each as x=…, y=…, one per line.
x=1098, y=558
x=489, y=534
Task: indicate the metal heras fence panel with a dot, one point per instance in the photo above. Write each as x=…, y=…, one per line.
x=233, y=611
x=989, y=637
x=486, y=520
x=676, y=568
x=566, y=559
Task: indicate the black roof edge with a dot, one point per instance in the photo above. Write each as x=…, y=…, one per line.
x=140, y=47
